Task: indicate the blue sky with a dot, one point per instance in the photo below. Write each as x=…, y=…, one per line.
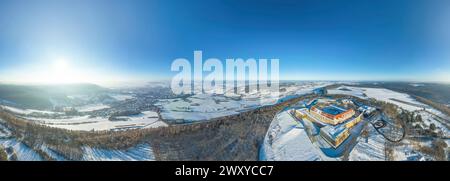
x=317, y=39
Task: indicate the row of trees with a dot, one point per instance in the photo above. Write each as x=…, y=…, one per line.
x=443, y=108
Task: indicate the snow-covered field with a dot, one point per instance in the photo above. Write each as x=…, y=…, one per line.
x=207, y=106
x=92, y=107
x=26, y=111
x=288, y=140
x=121, y=97
x=400, y=99
x=142, y=152
x=147, y=119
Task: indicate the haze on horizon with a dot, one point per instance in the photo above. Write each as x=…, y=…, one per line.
x=111, y=41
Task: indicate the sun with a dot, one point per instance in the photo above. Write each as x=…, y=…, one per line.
x=62, y=72
x=60, y=65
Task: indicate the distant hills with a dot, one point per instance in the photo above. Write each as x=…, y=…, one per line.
x=433, y=91
x=44, y=96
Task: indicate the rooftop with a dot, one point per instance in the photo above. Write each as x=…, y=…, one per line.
x=334, y=131
x=333, y=110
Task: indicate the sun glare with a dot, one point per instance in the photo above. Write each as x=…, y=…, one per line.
x=60, y=65
x=62, y=72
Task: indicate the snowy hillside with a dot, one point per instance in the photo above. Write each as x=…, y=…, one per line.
x=142, y=152
x=287, y=140
x=371, y=148
x=19, y=150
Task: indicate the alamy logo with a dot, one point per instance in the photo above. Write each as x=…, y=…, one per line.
x=237, y=77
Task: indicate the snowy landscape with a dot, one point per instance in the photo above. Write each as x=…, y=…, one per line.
x=287, y=138
x=155, y=108
x=402, y=100
x=207, y=106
